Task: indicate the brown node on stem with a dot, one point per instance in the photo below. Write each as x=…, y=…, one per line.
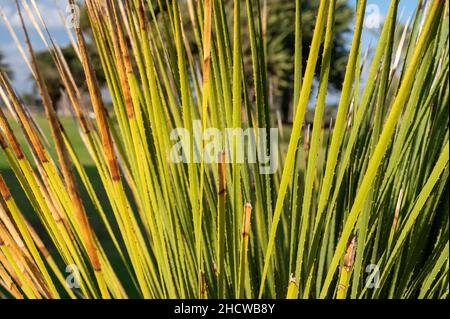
x=246, y=222
x=350, y=253
x=202, y=284
x=4, y=190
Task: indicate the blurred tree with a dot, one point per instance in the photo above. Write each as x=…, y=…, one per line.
x=52, y=78
x=280, y=40
x=47, y=67
x=3, y=66
x=280, y=37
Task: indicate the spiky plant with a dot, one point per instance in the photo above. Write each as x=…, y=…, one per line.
x=360, y=210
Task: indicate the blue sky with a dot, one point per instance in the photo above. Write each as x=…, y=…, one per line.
x=49, y=10
x=405, y=10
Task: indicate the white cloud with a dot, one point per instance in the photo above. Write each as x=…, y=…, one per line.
x=48, y=8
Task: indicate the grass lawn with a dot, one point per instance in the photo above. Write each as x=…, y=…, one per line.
x=24, y=204
x=72, y=130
